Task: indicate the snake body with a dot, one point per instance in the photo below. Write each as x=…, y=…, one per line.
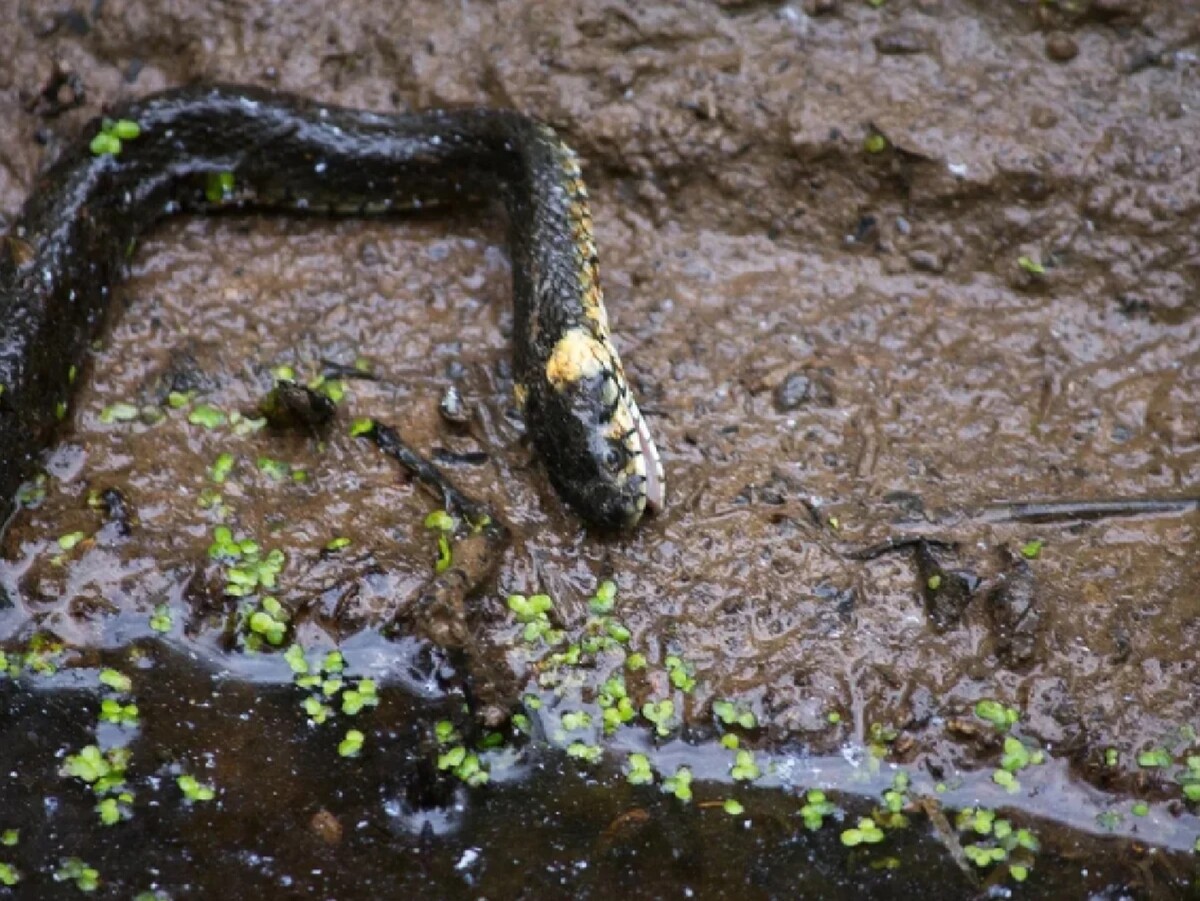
x=274, y=151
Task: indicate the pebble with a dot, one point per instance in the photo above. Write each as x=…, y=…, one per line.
x=1061, y=47
x=821, y=7
x=926, y=261
x=800, y=388
x=453, y=408
x=902, y=41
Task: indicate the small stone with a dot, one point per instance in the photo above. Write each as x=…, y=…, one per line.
x=926, y=261
x=1128, y=10
x=453, y=408
x=1061, y=47
x=821, y=7
x=897, y=41
x=800, y=388
x=1042, y=117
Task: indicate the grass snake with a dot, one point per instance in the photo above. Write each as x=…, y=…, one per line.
x=267, y=150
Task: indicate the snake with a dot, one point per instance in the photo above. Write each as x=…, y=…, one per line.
x=202, y=148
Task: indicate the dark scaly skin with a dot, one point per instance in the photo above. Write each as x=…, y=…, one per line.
x=77, y=229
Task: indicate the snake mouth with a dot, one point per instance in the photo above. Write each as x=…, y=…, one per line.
x=654, y=471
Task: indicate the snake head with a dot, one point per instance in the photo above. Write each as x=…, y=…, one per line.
x=593, y=438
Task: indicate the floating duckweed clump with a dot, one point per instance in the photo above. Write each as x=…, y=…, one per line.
x=72, y=869
x=160, y=619
x=816, y=808
x=997, y=714
x=194, y=791
x=680, y=784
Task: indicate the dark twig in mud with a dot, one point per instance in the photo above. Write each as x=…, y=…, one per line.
x=456, y=503
x=331, y=369
x=896, y=543
x=1035, y=512
x=439, y=610
x=1051, y=511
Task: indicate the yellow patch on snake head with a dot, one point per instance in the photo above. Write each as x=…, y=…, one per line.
x=576, y=356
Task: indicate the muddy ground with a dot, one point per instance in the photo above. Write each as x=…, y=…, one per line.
x=871, y=270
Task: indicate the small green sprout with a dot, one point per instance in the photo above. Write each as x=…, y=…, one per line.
x=640, y=772
x=815, y=809
x=585, y=752
x=334, y=662
x=680, y=673
x=636, y=661
x=875, y=143
x=660, y=713
x=10, y=837
x=1006, y=780
x=113, y=711
x=206, y=416
x=361, y=427
x=730, y=714
x=997, y=714
x=834, y=717
x=86, y=878
x=70, y=540
x=221, y=468
x=934, y=582
x=984, y=855
x=1031, y=550
x=1140, y=809
x=866, y=832
x=9, y=875
x=273, y=469
x=1109, y=819
x=113, y=810
x=316, y=710
x=218, y=186
x=1016, y=756
x=441, y=521
x=733, y=807
x=530, y=609
x=679, y=785
x=294, y=656
x=193, y=790
x=604, y=600
x=160, y=620
x=105, y=144
x=363, y=695
x=745, y=768
x=337, y=544
x=1032, y=266
x=177, y=400
x=1154, y=758
x=464, y=765
x=1112, y=757
x=620, y=634
x=89, y=765
x=444, y=556
x=351, y=745
x=124, y=129
x=575, y=720
x=119, y=412
x=118, y=682
x=269, y=621
x=334, y=389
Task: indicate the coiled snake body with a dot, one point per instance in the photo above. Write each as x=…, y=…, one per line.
x=271, y=150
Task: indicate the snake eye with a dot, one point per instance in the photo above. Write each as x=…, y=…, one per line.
x=612, y=458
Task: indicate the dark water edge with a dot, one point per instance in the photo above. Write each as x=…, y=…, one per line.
x=293, y=819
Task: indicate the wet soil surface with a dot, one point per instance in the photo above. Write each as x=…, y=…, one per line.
x=877, y=274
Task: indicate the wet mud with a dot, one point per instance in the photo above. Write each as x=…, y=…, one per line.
x=880, y=277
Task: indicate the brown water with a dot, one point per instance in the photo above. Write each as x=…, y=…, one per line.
x=812, y=253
